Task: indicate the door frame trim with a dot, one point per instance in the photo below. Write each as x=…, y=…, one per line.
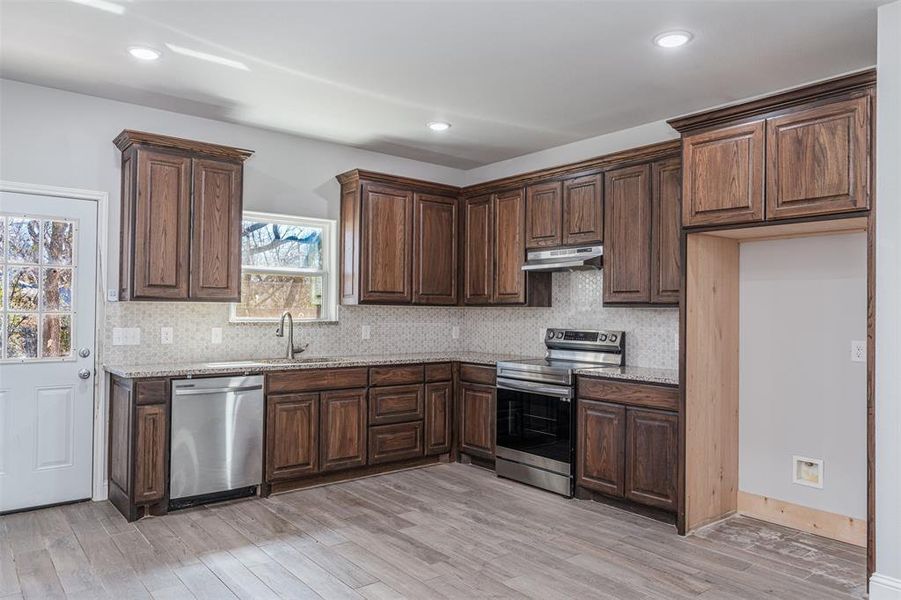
x=99, y=480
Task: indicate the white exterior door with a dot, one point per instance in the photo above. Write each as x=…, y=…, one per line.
x=48, y=258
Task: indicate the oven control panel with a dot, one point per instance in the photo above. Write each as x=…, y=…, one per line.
x=584, y=338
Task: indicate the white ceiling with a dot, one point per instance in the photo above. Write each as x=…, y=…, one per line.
x=513, y=77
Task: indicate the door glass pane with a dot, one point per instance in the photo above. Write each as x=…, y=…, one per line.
x=23, y=288
x=58, y=242
x=57, y=289
x=24, y=240
x=56, y=336
x=22, y=336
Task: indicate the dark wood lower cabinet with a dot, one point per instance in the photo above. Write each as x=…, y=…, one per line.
x=439, y=404
x=292, y=441
x=150, y=453
x=342, y=428
x=477, y=418
x=395, y=404
x=651, y=453
x=389, y=443
x=600, y=447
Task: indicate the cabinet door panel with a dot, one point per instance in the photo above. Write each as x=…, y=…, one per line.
x=509, y=248
x=651, y=454
x=477, y=417
x=216, y=230
x=389, y=443
x=342, y=429
x=723, y=181
x=162, y=226
x=583, y=215
x=543, y=213
x=600, y=446
x=478, y=263
x=438, y=417
x=666, y=196
x=386, y=248
x=627, y=248
x=434, y=249
x=150, y=453
x=818, y=160
x=292, y=436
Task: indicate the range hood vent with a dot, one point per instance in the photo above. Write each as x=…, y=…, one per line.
x=565, y=259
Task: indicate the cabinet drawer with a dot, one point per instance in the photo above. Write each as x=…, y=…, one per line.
x=438, y=372
x=398, y=375
x=312, y=380
x=634, y=394
x=395, y=404
x=478, y=374
x=388, y=443
x=151, y=391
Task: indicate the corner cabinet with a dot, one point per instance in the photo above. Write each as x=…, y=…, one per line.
x=398, y=240
x=180, y=232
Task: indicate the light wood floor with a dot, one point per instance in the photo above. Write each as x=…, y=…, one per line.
x=448, y=531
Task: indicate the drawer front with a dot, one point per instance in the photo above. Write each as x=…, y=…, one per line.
x=314, y=380
x=399, y=375
x=438, y=372
x=151, y=391
x=388, y=443
x=395, y=404
x=633, y=394
x=478, y=374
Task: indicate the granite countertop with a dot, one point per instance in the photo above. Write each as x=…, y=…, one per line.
x=643, y=374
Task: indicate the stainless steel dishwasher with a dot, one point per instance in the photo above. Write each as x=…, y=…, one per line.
x=217, y=439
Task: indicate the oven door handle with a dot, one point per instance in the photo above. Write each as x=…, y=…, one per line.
x=564, y=393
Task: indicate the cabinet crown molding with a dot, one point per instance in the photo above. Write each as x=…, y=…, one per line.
x=354, y=176
x=837, y=86
x=129, y=137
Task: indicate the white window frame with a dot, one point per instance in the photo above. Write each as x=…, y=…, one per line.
x=329, y=263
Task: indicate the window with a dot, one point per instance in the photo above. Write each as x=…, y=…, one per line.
x=286, y=264
x=37, y=263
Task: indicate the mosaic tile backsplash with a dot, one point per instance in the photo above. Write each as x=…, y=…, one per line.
x=651, y=332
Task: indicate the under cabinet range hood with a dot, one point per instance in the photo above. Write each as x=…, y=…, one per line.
x=565, y=259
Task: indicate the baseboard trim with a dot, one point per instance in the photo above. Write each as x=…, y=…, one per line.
x=804, y=518
x=883, y=587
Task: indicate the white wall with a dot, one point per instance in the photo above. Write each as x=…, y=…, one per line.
x=58, y=138
x=802, y=302
x=886, y=583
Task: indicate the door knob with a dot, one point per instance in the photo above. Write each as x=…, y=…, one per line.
x=84, y=352
x=84, y=374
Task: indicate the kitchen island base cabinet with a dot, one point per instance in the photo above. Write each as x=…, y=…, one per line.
x=292, y=442
x=342, y=429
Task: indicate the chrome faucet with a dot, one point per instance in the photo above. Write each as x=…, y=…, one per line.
x=280, y=332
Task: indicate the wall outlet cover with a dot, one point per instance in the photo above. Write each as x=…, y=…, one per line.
x=366, y=332
x=112, y=295
x=216, y=335
x=858, y=351
x=118, y=336
x=455, y=332
x=166, y=335
x=807, y=471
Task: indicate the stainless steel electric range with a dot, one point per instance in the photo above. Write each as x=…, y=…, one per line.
x=536, y=406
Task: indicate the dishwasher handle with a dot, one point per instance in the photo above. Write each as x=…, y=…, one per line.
x=223, y=390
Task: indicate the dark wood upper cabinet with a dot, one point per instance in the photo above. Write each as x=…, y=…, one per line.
x=583, y=215
x=651, y=457
x=342, y=429
x=216, y=230
x=477, y=418
x=435, y=251
x=666, y=204
x=600, y=447
x=818, y=160
x=509, y=248
x=180, y=219
x=478, y=250
x=543, y=213
x=723, y=177
x=292, y=436
x=386, y=246
x=438, y=417
x=627, y=222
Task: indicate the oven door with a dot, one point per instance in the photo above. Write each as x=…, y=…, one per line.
x=535, y=425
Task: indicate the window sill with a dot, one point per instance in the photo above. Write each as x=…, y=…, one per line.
x=270, y=322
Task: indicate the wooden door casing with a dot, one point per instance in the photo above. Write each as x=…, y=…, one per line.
x=292, y=436
x=151, y=440
x=600, y=447
x=434, y=249
x=723, y=175
x=627, y=235
x=543, y=214
x=583, y=213
x=386, y=252
x=478, y=253
x=651, y=457
x=216, y=231
x=162, y=214
x=342, y=429
x=438, y=417
x=477, y=419
x=666, y=205
x=509, y=247
x=818, y=160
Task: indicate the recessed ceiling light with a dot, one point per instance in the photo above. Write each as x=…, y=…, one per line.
x=438, y=125
x=219, y=60
x=144, y=53
x=672, y=39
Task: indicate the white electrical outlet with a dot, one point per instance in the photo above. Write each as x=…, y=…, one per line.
x=166, y=334
x=366, y=332
x=126, y=336
x=118, y=336
x=112, y=295
x=807, y=471
x=455, y=332
x=858, y=351
x=216, y=335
